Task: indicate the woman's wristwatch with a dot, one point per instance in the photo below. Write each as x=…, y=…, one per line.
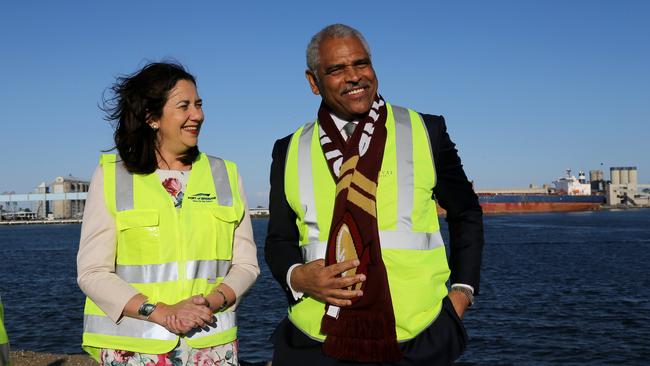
x=146, y=309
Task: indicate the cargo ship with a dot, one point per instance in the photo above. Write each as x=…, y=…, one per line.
x=523, y=203
x=568, y=194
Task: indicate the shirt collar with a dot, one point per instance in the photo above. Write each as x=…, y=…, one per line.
x=339, y=122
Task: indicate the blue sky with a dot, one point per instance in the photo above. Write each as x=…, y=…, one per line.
x=528, y=88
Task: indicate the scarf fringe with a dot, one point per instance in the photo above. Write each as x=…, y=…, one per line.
x=361, y=337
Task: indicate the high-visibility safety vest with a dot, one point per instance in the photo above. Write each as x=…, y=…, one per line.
x=4, y=340
x=411, y=245
x=168, y=253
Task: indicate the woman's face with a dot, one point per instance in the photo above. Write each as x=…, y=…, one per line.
x=182, y=116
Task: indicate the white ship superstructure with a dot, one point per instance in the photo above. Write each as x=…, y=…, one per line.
x=573, y=186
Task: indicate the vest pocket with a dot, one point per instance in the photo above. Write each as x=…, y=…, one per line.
x=225, y=214
x=138, y=236
x=225, y=221
x=210, y=232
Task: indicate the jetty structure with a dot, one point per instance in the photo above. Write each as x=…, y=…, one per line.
x=62, y=201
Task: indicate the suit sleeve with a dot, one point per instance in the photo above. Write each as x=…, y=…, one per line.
x=281, y=249
x=455, y=194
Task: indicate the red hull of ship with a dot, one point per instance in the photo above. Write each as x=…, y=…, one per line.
x=533, y=207
x=525, y=207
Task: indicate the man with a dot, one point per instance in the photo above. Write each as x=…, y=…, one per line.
x=353, y=236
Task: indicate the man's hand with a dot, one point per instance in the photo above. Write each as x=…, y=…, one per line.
x=322, y=283
x=460, y=302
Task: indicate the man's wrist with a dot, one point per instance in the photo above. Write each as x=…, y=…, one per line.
x=297, y=295
x=466, y=290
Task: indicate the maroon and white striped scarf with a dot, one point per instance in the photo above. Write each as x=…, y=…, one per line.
x=365, y=330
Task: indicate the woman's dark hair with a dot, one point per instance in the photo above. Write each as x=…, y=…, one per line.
x=137, y=99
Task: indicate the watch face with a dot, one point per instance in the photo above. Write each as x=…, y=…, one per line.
x=146, y=309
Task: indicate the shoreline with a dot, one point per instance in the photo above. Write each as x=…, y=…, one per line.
x=71, y=221
x=78, y=221
x=40, y=222
x=31, y=358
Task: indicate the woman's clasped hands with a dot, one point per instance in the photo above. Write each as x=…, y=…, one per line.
x=185, y=315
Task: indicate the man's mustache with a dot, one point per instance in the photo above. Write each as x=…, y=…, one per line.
x=357, y=86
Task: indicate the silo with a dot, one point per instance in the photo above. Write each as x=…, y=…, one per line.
x=632, y=176
x=593, y=175
x=615, y=175
x=624, y=175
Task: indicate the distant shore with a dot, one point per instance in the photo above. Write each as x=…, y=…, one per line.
x=40, y=222
x=72, y=221
x=78, y=221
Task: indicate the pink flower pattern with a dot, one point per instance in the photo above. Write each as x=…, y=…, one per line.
x=182, y=355
x=175, y=188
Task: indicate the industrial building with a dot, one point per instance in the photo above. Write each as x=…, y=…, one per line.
x=624, y=189
x=45, y=207
x=69, y=208
x=42, y=208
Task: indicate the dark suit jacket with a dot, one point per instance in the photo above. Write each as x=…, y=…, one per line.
x=453, y=192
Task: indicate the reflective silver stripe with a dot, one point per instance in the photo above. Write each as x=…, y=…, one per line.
x=128, y=327
x=123, y=187
x=148, y=273
x=225, y=321
x=410, y=240
x=306, y=183
x=209, y=269
x=313, y=251
x=153, y=273
x=404, y=147
x=221, y=181
x=389, y=240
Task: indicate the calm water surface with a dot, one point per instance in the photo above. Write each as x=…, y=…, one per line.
x=570, y=289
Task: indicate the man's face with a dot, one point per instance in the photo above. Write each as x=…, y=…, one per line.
x=346, y=79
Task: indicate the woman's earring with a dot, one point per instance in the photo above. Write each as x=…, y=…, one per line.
x=154, y=127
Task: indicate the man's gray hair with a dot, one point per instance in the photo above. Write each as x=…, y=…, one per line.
x=331, y=31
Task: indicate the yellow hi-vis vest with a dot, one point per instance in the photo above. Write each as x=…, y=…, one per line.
x=4, y=340
x=168, y=253
x=411, y=245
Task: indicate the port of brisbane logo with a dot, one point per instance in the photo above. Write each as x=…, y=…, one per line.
x=202, y=198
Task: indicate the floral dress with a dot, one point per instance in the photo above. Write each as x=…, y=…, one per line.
x=182, y=355
x=175, y=182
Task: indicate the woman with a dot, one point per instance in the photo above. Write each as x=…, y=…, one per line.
x=166, y=247
x=4, y=340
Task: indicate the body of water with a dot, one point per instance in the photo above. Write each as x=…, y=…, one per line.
x=569, y=288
